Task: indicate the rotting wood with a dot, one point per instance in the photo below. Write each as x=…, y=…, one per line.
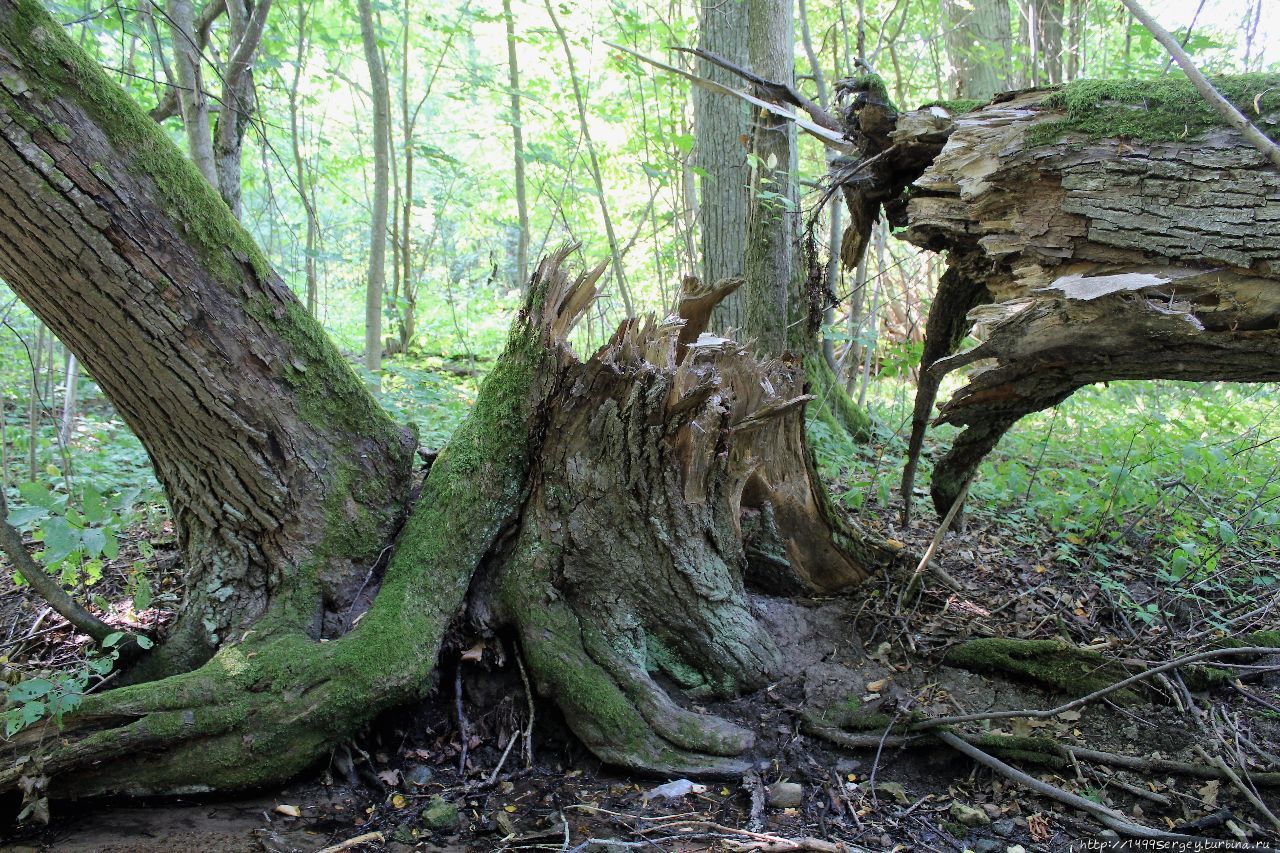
x=1073, y=260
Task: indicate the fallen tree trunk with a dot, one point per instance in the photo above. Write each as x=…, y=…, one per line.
x=1104, y=231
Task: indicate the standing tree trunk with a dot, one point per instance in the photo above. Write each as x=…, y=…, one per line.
x=979, y=44
x=192, y=101
x=720, y=126
x=376, y=282
x=239, y=100
x=517, y=148
x=615, y=250
x=287, y=482
x=306, y=190
x=772, y=291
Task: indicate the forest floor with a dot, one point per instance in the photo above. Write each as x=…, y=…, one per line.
x=879, y=651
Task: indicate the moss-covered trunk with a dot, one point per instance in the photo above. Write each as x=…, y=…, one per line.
x=613, y=504
x=283, y=475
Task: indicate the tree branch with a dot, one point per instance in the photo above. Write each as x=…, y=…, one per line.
x=43, y=585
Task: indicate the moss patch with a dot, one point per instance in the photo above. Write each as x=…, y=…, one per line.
x=1153, y=110
x=60, y=69
x=1049, y=663
x=959, y=106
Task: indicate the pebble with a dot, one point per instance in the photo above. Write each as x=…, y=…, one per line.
x=785, y=795
x=1003, y=828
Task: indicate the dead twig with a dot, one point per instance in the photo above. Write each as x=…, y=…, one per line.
x=1234, y=778
x=367, y=838
x=1112, y=818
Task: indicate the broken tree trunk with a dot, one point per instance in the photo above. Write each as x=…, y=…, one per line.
x=607, y=508
x=1103, y=231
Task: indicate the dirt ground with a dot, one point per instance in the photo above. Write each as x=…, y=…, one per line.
x=398, y=787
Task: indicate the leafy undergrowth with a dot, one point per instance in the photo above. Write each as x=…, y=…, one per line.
x=1136, y=521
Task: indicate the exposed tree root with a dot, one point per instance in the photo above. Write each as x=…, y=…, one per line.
x=629, y=559
x=265, y=707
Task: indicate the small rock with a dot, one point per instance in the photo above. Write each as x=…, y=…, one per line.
x=1109, y=835
x=968, y=815
x=845, y=766
x=1003, y=828
x=987, y=845
x=1018, y=848
x=417, y=775
x=785, y=795
x=440, y=815
x=893, y=789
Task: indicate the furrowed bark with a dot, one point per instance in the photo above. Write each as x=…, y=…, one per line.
x=276, y=461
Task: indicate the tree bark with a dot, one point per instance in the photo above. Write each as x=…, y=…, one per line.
x=287, y=482
x=1078, y=259
x=720, y=128
x=979, y=45
x=771, y=301
x=376, y=282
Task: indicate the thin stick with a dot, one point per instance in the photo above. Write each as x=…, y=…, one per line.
x=493, y=777
x=464, y=730
x=367, y=838
x=1224, y=108
x=933, y=547
x=1097, y=694
x=1110, y=817
x=528, y=731
x=1216, y=761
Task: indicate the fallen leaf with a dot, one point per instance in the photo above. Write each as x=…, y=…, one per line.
x=1209, y=793
x=288, y=811
x=389, y=778
x=475, y=653
x=398, y=801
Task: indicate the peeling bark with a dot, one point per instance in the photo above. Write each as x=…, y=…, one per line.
x=1078, y=260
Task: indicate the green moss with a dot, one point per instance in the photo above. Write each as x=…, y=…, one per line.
x=1268, y=639
x=832, y=404
x=956, y=830
x=659, y=657
x=959, y=106
x=1032, y=750
x=59, y=68
x=1152, y=110
x=1050, y=663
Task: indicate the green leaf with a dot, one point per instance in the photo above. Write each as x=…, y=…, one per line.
x=145, y=642
x=113, y=638
x=24, y=515
x=94, y=540
x=38, y=494
x=30, y=690
x=142, y=596
x=95, y=508
x=60, y=539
